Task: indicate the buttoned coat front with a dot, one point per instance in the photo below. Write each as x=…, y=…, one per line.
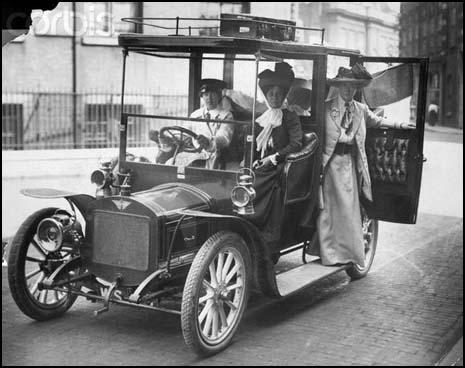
x=362, y=119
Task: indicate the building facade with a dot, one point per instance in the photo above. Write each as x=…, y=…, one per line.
x=61, y=82
x=435, y=30
x=372, y=28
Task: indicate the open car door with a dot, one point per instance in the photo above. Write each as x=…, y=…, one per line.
x=395, y=157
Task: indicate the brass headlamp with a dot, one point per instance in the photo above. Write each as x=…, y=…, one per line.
x=52, y=231
x=102, y=178
x=243, y=194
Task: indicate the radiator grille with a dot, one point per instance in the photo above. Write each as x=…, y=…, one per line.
x=121, y=240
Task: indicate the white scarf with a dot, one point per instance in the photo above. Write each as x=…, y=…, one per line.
x=270, y=119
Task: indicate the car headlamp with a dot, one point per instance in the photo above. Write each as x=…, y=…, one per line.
x=98, y=177
x=102, y=178
x=243, y=195
x=50, y=234
x=240, y=196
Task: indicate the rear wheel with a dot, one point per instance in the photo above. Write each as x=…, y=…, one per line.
x=28, y=265
x=370, y=238
x=215, y=294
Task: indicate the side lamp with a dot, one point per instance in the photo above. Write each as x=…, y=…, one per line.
x=243, y=194
x=102, y=178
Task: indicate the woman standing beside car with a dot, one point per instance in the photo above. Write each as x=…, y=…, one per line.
x=345, y=173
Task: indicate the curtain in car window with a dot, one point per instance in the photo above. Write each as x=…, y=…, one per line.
x=389, y=86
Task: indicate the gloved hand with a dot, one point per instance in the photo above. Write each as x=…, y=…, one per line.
x=154, y=135
x=265, y=163
x=407, y=126
x=203, y=141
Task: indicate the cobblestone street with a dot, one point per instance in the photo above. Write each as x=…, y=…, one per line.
x=408, y=311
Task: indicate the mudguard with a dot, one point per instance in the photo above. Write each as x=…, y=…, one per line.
x=81, y=201
x=265, y=277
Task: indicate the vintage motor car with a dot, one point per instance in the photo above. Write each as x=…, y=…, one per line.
x=177, y=239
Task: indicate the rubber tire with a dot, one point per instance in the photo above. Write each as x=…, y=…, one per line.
x=356, y=272
x=16, y=261
x=202, y=260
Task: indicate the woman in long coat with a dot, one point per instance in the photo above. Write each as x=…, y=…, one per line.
x=278, y=134
x=345, y=170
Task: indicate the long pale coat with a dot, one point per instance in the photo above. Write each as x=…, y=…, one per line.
x=340, y=237
x=362, y=118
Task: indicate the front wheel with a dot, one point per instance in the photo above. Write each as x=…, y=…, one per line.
x=370, y=238
x=28, y=265
x=215, y=293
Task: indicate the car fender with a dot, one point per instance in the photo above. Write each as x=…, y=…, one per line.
x=81, y=201
x=263, y=268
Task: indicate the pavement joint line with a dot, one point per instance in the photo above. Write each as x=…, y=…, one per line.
x=421, y=245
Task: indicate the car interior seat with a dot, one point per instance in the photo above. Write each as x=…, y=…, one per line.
x=299, y=171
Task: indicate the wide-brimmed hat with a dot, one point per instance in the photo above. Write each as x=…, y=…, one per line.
x=300, y=93
x=358, y=76
x=211, y=85
x=282, y=76
x=301, y=83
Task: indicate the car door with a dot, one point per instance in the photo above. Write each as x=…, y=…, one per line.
x=395, y=157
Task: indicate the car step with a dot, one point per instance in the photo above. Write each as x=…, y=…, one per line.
x=298, y=278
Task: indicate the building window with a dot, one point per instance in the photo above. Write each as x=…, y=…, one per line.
x=435, y=80
x=425, y=28
x=450, y=101
x=404, y=40
x=12, y=126
x=453, y=15
x=234, y=7
x=100, y=127
x=104, y=18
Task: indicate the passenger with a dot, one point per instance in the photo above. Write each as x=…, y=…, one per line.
x=345, y=170
x=279, y=133
x=212, y=137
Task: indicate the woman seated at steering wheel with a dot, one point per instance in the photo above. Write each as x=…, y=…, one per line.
x=279, y=134
x=211, y=137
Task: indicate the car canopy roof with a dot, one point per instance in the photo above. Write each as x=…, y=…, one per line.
x=226, y=45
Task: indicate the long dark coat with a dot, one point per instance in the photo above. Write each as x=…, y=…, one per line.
x=268, y=203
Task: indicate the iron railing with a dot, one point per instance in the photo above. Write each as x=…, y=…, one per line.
x=44, y=120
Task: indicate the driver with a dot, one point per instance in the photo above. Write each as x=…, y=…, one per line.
x=212, y=136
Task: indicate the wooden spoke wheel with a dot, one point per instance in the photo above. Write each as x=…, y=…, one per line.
x=29, y=264
x=215, y=294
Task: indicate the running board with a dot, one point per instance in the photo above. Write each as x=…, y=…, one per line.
x=303, y=276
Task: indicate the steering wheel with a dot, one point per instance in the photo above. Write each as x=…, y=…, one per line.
x=181, y=137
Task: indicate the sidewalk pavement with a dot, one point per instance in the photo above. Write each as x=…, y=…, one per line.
x=443, y=129
x=454, y=357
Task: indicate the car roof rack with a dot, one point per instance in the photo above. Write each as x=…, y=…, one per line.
x=232, y=25
x=237, y=34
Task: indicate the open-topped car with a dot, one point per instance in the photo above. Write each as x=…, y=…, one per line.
x=177, y=238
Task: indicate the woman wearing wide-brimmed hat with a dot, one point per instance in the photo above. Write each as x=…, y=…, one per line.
x=345, y=170
x=279, y=133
